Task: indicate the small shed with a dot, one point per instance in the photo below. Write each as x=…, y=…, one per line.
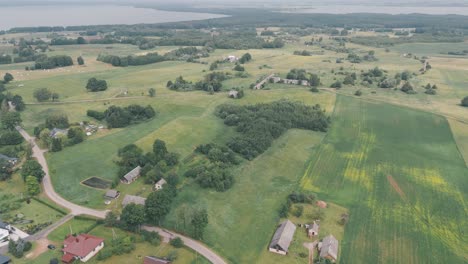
x=233, y=94
x=232, y=58
x=313, y=229
x=321, y=204
x=129, y=199
x=131, y=176
x=329, y=248
x=57, y=132
x=112, y=194
x=159, y=185
x=282, y=238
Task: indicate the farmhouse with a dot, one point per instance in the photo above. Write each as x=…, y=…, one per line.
x=131, y=176
x=313, y=229
x=57, y=132
x=129, y=199
x=82, y=247
x=159, y=185
x=4, y=259
x=155, y=260
x=282, y=238
x=329, y=248
x=112, y=194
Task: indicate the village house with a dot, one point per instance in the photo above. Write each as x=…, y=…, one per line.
x=155, y=260
x=282, y=238
x=129, y=199
x=112, y=194
x=313, y=229
x=159, y=185
x=131, y=176
x=329, y=248
x=4, y=259
x=82, y=247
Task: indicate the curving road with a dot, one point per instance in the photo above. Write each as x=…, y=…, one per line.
x=80, y=210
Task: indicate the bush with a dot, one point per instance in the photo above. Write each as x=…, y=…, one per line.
x=54, y=261
x=95, y=114
x=358, y=93
x=177, y=242
x=464, y=101
x=336, y=85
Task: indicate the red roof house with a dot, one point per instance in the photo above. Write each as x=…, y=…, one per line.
x=82, y=247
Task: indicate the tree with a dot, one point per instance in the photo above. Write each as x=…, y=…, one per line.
x=57, y=121
x=8, y=77
x=5, y=170
x=358, y=93
x=42, y=94
x=245, y=58
x=95, y=85
x=54, y=261
x=55, y=97
x=133, y=215
x=159, y=149
x=56, y=144
x=32, y=168
x=464, y=101
x=158, y=205
x=348, y=80
x=152, y=92
x=239, y=68
x=199, y=222
x=75, y=135
x=10, y=120
x=111, y=219
x=80, y=60
x=314, y=80
x=32, y=186
x=80, y=41
x=18, y=103
x=177, y=242
x=336, y=85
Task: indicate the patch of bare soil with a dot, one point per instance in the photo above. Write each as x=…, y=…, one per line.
x=396, y=187
x=41, y=247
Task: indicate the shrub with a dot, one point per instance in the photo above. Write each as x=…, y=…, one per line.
x=464, y=101
x=95, y=85
x=177, y=242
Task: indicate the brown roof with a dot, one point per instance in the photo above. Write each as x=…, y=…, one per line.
x=155, y=260
x=133, y=174
x=81, y=245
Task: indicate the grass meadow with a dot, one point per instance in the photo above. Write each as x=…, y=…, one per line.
x=403, y=179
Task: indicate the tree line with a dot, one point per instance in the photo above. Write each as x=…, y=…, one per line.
x=116, y=116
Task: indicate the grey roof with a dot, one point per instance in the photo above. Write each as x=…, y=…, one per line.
x=5, y=157
x=315, y=227
x=283, y=236
x=4, y=259
x=133, y=174
x=329, y=247
x=3, y=225
x=161, y=182
x=155, y=260
x=112, y=193
x=128, y=199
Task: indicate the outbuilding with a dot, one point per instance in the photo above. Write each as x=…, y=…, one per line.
x=131, y=176
x=329, y=248
x=112, y=194
x=282, y=238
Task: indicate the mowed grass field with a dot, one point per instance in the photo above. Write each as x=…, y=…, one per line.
x=402, y=177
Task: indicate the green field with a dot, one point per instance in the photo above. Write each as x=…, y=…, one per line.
x=403, y=179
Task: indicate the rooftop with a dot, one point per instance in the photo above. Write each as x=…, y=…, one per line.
x=283, y=235
x=128, y=199
x=81, y=245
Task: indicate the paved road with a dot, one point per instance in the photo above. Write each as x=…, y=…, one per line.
x=193, y=244
x=79, y=210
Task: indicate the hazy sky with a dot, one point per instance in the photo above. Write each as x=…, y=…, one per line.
x=195, y=2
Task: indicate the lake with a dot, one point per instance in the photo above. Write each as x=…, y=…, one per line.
x=76, y=15
x=394, y=10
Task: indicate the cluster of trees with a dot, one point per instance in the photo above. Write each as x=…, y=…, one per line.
x=156, y=164
x=191, y=221
x=260, y=124
x=32, y=168
x=295, y=198
x=117, y=247
x=302, y=53
x=245, y=58
x=407, y=88
x=44, y=94
x=189, y=54
x=303, y=75
x=116, y=116
x=67, y=41
x=44, y=62
x=73, y=135
x=19, y=247
x=212, y=82
x=430, y=89
x=95, y=85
